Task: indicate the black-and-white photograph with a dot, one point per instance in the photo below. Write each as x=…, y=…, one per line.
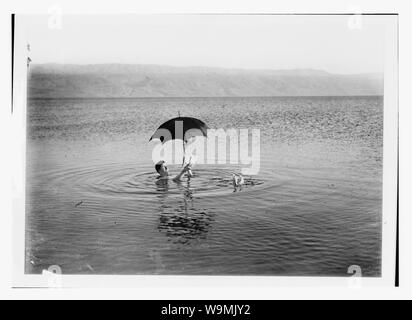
x=224, y=145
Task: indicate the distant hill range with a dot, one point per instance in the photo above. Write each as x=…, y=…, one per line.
x=127, y=81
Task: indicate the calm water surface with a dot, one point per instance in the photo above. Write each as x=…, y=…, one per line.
x=94, y=205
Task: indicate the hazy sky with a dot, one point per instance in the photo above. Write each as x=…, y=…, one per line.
x=250, y=42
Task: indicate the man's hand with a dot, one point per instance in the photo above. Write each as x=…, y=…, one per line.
x=184, y=170
x=187, y=167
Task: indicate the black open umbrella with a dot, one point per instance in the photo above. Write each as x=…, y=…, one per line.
x=178, y=128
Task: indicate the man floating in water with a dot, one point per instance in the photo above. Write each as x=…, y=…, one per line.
x=163, y=171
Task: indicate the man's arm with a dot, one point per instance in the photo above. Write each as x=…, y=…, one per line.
x=180, y=175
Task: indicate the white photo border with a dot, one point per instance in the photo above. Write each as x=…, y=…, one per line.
x=389, y=206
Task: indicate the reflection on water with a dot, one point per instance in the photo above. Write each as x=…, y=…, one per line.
x=94, y=204
x=183, y=222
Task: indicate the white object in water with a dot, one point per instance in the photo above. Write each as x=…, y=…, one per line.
x=238, y=180
x=241, y=180
x=235, y=180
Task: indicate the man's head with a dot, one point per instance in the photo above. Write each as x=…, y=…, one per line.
x=162, y=169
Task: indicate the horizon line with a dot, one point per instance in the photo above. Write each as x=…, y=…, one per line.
x=206, y=97
x=381, y=73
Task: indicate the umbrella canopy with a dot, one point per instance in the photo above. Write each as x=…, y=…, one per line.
x=179, y=127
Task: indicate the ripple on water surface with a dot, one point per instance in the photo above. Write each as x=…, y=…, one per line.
x=126, y=181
